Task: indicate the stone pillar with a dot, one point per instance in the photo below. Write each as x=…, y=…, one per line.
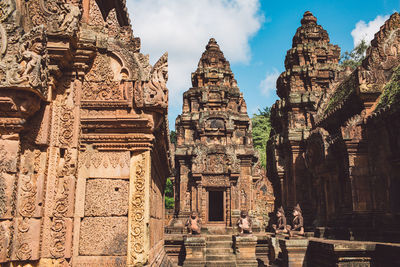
x=20, y=213
x=195, y=247
x=245, y=250
x=9, y=151
x=198, y=202
x=139, y=208
x=293, y=251
x=228, y=207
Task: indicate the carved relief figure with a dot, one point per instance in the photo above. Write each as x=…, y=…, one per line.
x=193, y=224
x=71, y=18
x=244, y=223
x=281, y=226
x=297, y=228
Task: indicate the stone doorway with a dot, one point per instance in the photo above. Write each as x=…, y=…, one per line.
x=216, y=206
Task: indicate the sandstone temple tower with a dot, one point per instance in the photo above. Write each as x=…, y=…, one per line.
x=214, y=156
x=311, y=67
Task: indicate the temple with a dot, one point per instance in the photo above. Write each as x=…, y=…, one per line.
x=85, y=150
x=334, y=148
x=214, y=156
x=217, y=170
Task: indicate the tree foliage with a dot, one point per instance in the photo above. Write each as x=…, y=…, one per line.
x=354, y=58
x=172, y=137
x=169, y=195
x=261, y=129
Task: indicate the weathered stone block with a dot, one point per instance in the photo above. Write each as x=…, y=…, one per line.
x=111, y=241
x=9, y=155
x=6, y=192
x=100, y=261
x=106, y=197
x=26, y=243
x=5, y=237
x=293, y=251
x=245, y=250
x=323, y=252
x=195, y=250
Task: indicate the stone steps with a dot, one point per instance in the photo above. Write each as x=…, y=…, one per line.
x=219, y=244
x=219, y=250
x=221, y=264
x=221, y=257
x=219, y=238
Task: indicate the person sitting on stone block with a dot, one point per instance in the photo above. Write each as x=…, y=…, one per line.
x=281, y=226
x=244, y=223
x=193, y=224
x=298, y=227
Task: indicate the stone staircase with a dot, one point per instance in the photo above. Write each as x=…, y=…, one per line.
x=219, y=251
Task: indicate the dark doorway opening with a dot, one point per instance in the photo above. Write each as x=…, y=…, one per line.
x=216, y=206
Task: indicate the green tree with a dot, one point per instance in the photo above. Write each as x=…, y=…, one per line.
x=261, y=129
x=172, y=137
x=169, y=195
x=354, y=58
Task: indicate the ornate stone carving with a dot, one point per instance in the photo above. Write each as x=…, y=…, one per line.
x=28, y=67
x=24, y=251
x=137, y=227
x=3, y=197
x=28, y=187
x=5, y=161
x=216, y=181
x=6, y=8
x=154, y=92
x=58, y=224
x=100, y=83
x=66, y=125
x=107, y=159
x=215, y=163
x=60, y=17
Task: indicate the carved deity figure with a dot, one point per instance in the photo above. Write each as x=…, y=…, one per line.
x=244, y=223
x=193, y=224
x=280, y=227
x=71, y=18
x=298, y=228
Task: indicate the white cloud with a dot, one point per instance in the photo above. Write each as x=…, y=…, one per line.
x=183, y=28
x=366, y=31
x=268, y=85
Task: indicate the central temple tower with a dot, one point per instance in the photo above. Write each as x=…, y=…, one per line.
x=214, y=156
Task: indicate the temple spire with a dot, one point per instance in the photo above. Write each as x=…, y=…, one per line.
x=213, y=68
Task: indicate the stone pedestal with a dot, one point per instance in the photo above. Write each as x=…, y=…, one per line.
x=245, y=250
x=293, y=251
x=263, y=248
x=195, y=247
x=341, y=253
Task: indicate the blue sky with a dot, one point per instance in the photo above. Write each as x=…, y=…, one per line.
x=253, y=34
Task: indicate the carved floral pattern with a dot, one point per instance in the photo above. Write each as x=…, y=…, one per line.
x=58, y=225
x=110, y=158
x=28, y=196
x=67, y=123
x=136, y=211
x=24, y=251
